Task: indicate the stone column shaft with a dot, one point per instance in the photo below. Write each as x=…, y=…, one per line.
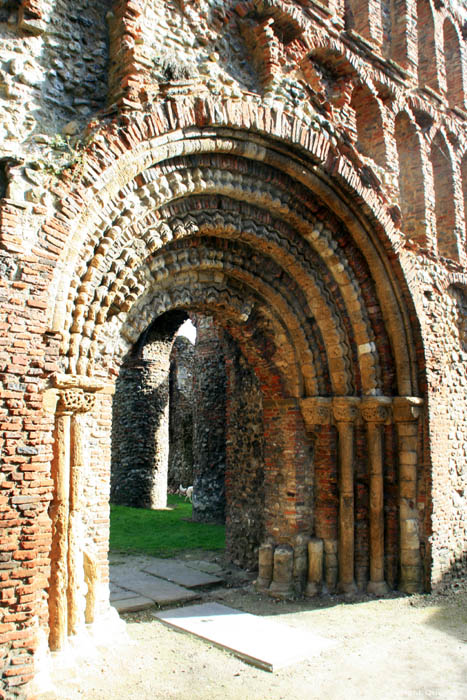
x=75, y=472
x=75, y=561
x=58, y=607
x=67, y=465
x=376, y=504
x=345, y=414
x=346, y=506
x=375, y=411
x=406, y=413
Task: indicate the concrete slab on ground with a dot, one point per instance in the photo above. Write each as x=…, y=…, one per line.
x=262, y=642
x=181, y=573
x=160, y=591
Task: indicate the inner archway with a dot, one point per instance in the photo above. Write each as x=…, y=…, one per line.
x=221, y=407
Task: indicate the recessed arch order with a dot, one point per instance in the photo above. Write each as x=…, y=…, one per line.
x=284, y=208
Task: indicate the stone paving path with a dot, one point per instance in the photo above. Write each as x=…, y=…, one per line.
x=161, y=582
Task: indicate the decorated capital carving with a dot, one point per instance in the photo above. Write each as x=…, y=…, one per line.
x=345, y=409
x=70, y=401
x=75, y=401
x=376, y=409
x=89, y=401
x=407, y=409
x=316, y=410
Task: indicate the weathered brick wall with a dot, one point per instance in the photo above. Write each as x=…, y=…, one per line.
x=333, y=261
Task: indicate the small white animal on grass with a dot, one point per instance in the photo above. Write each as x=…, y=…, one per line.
x=188, y=492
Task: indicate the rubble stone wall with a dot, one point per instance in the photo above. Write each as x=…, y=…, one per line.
x=209, y=424
x=181, y=414
x=244, y=476
x=140, y=422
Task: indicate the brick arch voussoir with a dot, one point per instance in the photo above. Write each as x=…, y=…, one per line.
x=179, y=269
x=233, y=312
x=142, y=140
x=317, y=300
x=319, y=238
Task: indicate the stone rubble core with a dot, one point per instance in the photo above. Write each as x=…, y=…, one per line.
x=293, y=170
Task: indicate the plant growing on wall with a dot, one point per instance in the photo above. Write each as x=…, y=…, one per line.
x=168, y=68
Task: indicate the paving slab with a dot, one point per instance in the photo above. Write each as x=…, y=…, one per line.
x=179, y=572
x=210, y=567
x=132, y=603
x=160, y=591
x=118, y=593
x=262, y=642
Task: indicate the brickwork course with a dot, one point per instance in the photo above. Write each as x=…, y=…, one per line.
x=294, y=170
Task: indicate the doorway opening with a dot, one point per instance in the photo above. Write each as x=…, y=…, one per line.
x=191, y=415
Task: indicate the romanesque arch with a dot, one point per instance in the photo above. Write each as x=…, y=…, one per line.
x=234, y=182
x=412, y=199
x=249, y=232
x=444, y=198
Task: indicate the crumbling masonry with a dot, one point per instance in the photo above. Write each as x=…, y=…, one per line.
x=294, y=170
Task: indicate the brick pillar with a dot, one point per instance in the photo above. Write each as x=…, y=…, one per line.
x=317, y=414
x=288, y=492
x=288, y=471
x=376, y=412
x=407, y=410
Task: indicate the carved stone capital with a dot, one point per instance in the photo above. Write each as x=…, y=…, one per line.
x=75, y=401
x=345, y=408
x=70, y=401
x=316, y=410
x=89, y=401
x=376, y=409
x=406, y=408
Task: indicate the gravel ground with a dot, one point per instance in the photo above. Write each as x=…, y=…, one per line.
x=397, y=647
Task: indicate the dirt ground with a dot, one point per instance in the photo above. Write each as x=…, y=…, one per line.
x=399, y=647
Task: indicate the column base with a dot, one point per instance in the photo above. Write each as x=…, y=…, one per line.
x=312, y=589
x=281, y=590
x=410, y=587
x=377, y=587
x=262, y=585
x=350, y=587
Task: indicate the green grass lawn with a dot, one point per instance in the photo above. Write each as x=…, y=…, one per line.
x=161, y=533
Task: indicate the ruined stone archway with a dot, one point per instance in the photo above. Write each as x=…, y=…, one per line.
x=253, y=234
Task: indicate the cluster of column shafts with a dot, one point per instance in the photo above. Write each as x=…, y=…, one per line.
x=279, y=570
